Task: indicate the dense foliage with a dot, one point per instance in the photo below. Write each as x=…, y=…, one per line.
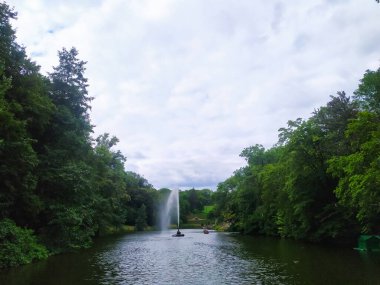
x=18, y=245
x=192, y=202
x=60, y=187
x=320, y=182
x=55, y=179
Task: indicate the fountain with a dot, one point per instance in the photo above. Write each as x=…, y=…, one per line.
x=172, y=203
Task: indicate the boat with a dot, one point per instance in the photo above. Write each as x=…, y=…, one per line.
x=205, y=231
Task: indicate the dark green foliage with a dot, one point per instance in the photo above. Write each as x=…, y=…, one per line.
x=320, y=182
x=24, y=112
x=111, y=196
x=141, y=218
x=68, y=228
x=54, y=178
x=18, y=246
x=192, y=202
x=141, y=193
x=358, y=171
x=69, y=86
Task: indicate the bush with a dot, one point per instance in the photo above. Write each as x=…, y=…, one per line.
x=18, y=246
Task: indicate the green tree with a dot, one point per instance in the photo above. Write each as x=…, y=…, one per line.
x=25, y=111
x=358, y=171
x=140, y=223
x=66, y=171
x=110, y=182
x=368, y=92
x=287, y=190
x=141, y=192
x=18, y=246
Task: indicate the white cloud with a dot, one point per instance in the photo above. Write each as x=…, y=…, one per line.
x=186, y=85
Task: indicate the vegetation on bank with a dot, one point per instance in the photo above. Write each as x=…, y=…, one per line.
x=60, y=187
x=320, y=182
x=18, y=245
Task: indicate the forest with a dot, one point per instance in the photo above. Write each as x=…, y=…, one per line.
x=320, y=182
x=60, y=187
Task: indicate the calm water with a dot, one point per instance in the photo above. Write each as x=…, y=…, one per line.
x=216, y=258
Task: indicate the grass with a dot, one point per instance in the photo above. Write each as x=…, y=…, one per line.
x=208, y=209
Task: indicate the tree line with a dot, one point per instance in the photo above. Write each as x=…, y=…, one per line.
x=59, y=186
x=320, y=182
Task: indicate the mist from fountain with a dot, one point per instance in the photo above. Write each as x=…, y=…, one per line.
x=170, y=209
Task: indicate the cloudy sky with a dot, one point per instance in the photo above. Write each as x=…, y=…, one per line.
x=187, y=84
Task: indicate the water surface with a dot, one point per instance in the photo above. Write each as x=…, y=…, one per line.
x=197, y=258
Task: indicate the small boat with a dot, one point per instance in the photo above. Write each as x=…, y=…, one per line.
x=205, y=231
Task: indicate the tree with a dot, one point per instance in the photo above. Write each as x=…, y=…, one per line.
x=141, y=218
x=66, y=167
x=70, y=85
x=110, y=184
x=368, y=93
x=25, y=111
x=18, y=245
x=286, y=190
x=359, y=172
x=53, y=178
x=141, y=192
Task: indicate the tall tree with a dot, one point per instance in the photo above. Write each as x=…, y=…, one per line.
x=25, y=111
x=66, y=173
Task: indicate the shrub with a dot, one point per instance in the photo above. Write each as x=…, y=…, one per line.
x=18, y=245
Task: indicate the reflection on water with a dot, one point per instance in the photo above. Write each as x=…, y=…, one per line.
x=216, y=258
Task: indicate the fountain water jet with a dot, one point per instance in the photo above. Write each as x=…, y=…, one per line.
x=171, y=204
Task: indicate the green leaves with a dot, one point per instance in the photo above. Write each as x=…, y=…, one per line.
x=368, y=93
x=141, y=218
x=52, y=178
x=69, y=84
x=18, y=246
x=359, y=172
x=322, y=179
x=69, y=227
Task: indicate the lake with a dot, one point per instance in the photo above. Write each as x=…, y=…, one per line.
x=197, y=258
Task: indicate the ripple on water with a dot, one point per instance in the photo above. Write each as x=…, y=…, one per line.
x=193, y=259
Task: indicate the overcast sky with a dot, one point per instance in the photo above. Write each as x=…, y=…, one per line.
x=187, y=84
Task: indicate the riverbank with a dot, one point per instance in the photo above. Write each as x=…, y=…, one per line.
x=20, y=246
